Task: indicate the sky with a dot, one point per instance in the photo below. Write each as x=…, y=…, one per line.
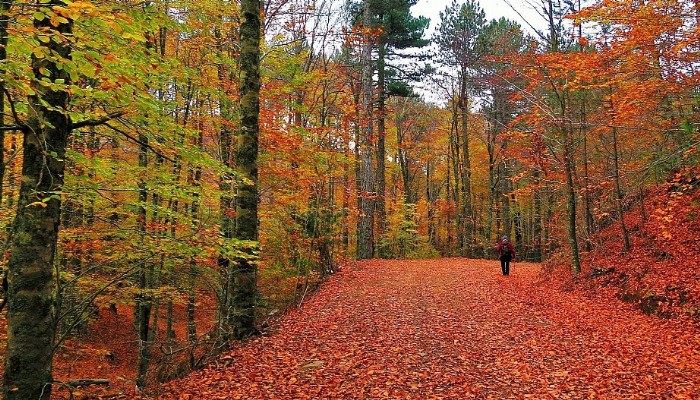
x=494, y=9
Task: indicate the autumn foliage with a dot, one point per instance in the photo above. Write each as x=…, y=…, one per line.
x=578, y=141
x=660, y=275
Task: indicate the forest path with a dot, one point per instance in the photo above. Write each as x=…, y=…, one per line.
x=454, y=329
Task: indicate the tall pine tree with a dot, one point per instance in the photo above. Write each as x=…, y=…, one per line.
x=393, y=29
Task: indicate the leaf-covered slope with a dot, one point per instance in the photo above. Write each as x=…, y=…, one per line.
x=661, y=273
x=455, y=328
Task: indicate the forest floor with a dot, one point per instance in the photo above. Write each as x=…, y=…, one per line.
x=456, y=328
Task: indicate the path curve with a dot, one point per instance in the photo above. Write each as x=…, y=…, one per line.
x=456, y=329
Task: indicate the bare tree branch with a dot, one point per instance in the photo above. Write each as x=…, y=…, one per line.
x=137, y=141
x=96, y=122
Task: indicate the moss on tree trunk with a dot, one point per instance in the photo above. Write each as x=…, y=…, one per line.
x=245, y=272
x=31, y=278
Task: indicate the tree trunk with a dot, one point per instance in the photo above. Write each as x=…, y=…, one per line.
x=448, y=194
x=226, y=205
x=571, y=202
x=191, y=321
x=357, y=162
x=143, y=301
x=537, y=221
x=195, y=175
x=618, y=192
x=553, y=34
x=346, y=194
x=467, y=217
x=616, y=176
x=11, y=178
x=430, y=199
x=381, y=142
x=245, y=273
x=366, y=192
x=403, y=159
x=32, y=276
x=4, y=23
x=583, y=132
x=456, y=167
x=169, y=321
x=492, y=134
x=505, y=200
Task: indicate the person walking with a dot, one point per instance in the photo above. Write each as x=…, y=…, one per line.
x=506, y=253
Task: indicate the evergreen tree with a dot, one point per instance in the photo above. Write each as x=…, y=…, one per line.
x=396, y=30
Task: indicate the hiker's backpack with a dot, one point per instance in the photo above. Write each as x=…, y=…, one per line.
x=505, y=248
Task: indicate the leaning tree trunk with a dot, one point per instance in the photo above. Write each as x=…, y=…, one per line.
x=571, y=202
x=616, y=176
x=244, y=278
x=32, y=277
x=618, y=192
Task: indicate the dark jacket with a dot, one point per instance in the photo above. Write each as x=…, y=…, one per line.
x=506, y=250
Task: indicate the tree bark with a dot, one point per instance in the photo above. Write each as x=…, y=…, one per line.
x=381, y=141
x=143, y=301
x=226, y=204
x=245, y=273
x=195, y=175
x=4, y=23
x=430, y=197
x=571, y=202
x=618, y=192
x=537, y=241
x=492, y=189
x=346, y=192
x=403, y=158
x=32, y=277
x=366, y=192
x=448, y=194
x=590, y=223
x=505, y=200
x=456, y=168
x=467, y=218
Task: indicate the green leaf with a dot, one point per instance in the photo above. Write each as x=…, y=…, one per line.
x=38, y=52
